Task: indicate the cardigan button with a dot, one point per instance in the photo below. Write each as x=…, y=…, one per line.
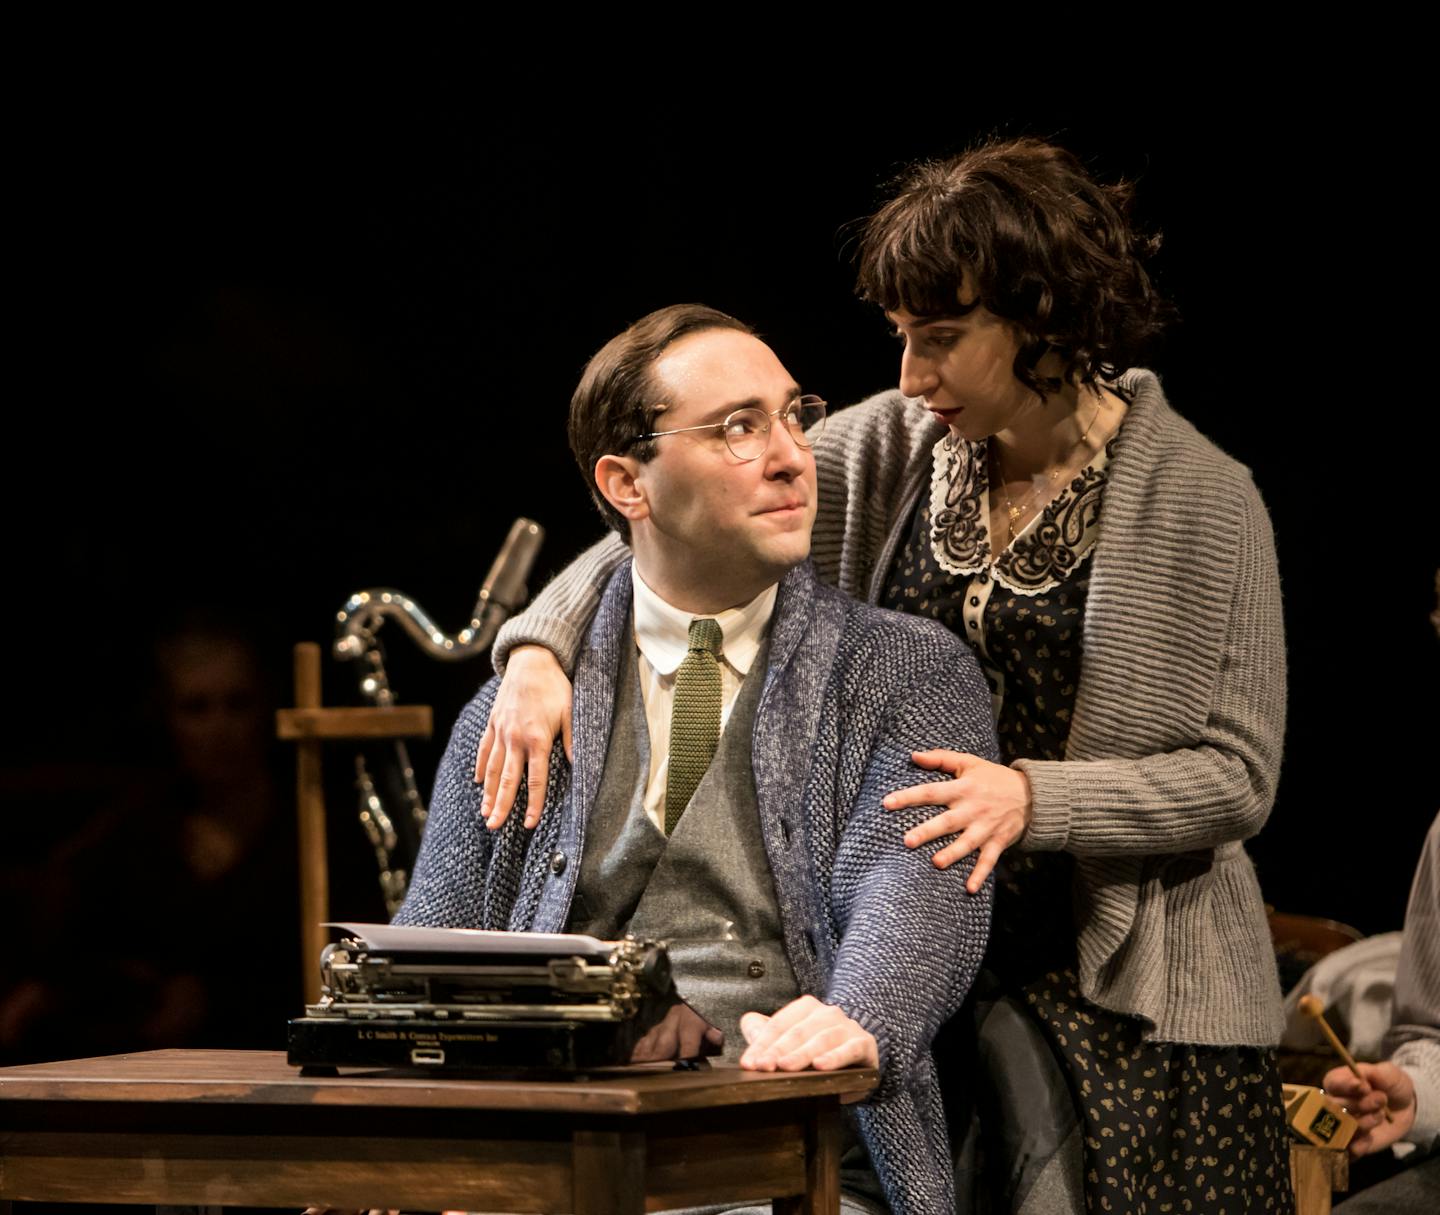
x=757, y=970
x=557, y=863
x=974, y=600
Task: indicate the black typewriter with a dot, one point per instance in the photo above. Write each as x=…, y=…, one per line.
x=462, y=1000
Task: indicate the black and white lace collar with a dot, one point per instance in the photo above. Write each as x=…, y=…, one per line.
x=1049, y=548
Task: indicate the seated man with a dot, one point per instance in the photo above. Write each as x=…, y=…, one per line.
x=736, y=726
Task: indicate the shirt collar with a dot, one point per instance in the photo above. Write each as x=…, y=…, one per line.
x=663, y=632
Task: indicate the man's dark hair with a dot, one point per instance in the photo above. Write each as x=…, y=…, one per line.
x=617, y=399
x=1050, y=249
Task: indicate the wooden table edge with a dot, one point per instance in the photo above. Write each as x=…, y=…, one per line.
x=659, y=1092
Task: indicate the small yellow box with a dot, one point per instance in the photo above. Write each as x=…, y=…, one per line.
x=1312, y=1119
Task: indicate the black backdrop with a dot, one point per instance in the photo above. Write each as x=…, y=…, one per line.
x=286, y=344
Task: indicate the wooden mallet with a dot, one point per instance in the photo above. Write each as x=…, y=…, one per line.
x=1311, y=1006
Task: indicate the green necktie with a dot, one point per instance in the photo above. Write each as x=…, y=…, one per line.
x=694, y=719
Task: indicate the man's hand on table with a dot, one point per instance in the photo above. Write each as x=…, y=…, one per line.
x=679, y=1036
x=806, y=1034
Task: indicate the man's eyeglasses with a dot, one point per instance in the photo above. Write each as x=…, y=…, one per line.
x=747, y=431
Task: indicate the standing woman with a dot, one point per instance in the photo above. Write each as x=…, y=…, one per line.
x=1032, y=489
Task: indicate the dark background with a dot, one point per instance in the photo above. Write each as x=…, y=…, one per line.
x=284, y=344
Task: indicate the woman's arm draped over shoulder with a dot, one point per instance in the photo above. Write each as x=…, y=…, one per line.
x=532, y=708
x=862, y=459
x=561, y=612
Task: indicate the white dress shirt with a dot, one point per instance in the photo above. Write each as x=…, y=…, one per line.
x=662, y=634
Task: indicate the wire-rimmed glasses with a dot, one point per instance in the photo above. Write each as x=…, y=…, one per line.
x=747, y=431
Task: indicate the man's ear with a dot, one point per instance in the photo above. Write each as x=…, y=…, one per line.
x=617, y=478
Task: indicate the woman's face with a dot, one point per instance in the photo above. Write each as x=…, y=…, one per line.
x=961, y=368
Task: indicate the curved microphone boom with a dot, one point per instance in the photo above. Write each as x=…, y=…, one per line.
x=500, y=594
x=357, y=628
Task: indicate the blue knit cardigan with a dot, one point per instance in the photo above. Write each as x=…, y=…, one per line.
x=869, y=925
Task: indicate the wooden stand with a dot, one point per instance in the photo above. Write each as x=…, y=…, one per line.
x=1315, y=1174
x=309, y=725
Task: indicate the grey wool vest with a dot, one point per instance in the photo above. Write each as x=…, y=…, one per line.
x=707, y=890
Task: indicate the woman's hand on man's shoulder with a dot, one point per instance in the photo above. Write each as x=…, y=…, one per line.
x=531, y=710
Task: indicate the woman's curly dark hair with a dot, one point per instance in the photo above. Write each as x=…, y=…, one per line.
x=1050, y=249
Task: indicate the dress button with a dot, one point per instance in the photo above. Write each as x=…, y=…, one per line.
x=557, y=863
x=974, y=600
x=973, y=625
x=984, y=579
x=757, y=970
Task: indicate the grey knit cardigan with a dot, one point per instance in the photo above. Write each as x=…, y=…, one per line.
x=1175, y=742
x=869, y=925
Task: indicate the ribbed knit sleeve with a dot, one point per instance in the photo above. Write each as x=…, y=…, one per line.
x=868, y=470
x=1219, y=786
x=1413, y=1041
x=562, y=611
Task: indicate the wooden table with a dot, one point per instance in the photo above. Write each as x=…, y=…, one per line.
x=214, y=1127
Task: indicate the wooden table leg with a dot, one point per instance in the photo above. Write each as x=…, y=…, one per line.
x=822, y=1166
x=609, y=1172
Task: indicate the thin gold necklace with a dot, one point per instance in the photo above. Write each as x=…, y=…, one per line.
x=1013, y=512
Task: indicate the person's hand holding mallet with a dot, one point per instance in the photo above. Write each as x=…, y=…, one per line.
x=1311, y=1006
